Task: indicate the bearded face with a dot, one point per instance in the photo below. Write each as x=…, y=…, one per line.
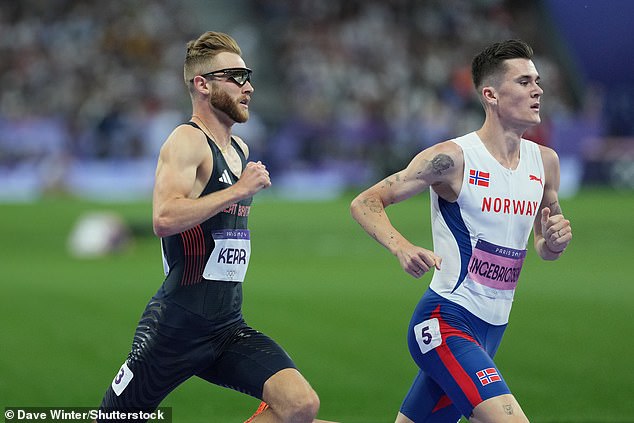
x=235, y=109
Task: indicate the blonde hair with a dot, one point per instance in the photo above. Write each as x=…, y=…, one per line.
x=201, y=52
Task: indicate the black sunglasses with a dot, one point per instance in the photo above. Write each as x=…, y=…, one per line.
x=238, y=75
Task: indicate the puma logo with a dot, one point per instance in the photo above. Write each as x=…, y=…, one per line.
x=535, y=178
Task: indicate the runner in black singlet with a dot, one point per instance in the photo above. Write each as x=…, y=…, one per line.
x=196, y=319
x=193, y=325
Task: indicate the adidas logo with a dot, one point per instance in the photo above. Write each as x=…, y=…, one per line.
x=225, y=178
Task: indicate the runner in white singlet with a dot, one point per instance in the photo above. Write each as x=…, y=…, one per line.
x=488, y=188
x=484, y=249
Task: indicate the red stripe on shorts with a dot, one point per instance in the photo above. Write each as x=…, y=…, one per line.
x=458, y=373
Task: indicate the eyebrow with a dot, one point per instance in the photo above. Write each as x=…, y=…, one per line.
x=536, y=77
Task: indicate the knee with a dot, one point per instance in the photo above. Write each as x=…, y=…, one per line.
x=290, y=397
x=304, y=408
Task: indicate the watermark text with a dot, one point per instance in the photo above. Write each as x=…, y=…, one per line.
x=82, y=414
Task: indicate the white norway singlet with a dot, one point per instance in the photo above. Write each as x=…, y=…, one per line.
x=482, y=236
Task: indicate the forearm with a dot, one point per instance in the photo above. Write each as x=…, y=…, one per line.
x=369, y=212
x=179, y=214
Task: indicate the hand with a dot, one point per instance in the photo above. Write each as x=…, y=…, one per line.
x=254, y=178
x=556, y=231
x=417, y=261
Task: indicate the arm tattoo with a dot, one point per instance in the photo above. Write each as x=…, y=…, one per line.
x=373, y=205
x=439, y=164
x=554, y=208
x=388, y=181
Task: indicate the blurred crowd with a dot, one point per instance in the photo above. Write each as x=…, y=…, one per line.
x=76, y=75
x=352, y=88
x=374, y=82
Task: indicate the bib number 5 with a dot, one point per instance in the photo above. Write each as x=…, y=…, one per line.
x=427, y=335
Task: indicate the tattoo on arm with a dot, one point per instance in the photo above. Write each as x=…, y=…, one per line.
x=554, y=207
x=373, y=205
x=439, y=164
x=388, y=181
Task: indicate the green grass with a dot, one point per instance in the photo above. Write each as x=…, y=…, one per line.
x=332, y=297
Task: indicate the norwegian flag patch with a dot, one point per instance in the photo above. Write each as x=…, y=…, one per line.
x=479, y=178
x=489, y=375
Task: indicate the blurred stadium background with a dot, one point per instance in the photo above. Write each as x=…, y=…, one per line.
x=346, y=92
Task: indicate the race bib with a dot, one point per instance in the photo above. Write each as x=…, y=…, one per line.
x=122, y=379
x=229, y=259
x=494, y=270
x=428, y=335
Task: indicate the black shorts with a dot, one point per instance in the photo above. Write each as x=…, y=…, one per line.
x=171, y=345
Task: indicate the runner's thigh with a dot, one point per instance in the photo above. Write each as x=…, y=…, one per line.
x=247, y=362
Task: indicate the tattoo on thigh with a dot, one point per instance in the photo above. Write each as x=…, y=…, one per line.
x=508, y=409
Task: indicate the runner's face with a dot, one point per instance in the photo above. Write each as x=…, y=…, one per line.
x=519, y=93
x=236, y=109
x=227, y=95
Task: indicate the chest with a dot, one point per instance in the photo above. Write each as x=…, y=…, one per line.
x=218, y=171
x=231, y=160
x=501, y=203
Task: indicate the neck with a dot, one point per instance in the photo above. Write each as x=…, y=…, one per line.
x=502, y=143
x=220, y=135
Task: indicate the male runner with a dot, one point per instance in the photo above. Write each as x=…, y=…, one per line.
x=202, y=198
x=488, y=188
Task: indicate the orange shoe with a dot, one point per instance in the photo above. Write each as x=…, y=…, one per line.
x=263, y=406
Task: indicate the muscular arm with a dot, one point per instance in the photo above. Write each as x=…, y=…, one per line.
x=551, y=231
x=436, y=166
x=181, y=176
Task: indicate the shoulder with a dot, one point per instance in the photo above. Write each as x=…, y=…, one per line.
x=549, y=156
x=444, y=156
x=185, y=141
x=242, y=145
x=449, y=147
x=186, y=134
x=550, y=160
x=439, y=165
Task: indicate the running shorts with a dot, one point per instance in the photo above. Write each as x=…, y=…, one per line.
x=172, y=344
x=454, y=350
